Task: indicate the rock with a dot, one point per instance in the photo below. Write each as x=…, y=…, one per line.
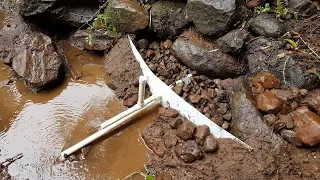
x=164, y=176
x=31, y=53
x=100, y=41
x=227, y=116
x=233, y=41
x=313, y=100
x=185, y=130
x=200, y=55
x=247, y=123
x=287, y=119
x=188, y=151
x=218, y=120
x=121, y=68
x=169, y=112
x=74, y=15
x=186, y=88
x=178, y=89
x=201, y=133
x=284, y=94
x=168, y=18
x=212, y=17
x=303, y=7
x=270, y=119
x=34, y=7
x=253, y=3
x=166, y=44
x=266, y=80
x=129, y=15
x=85, y=151
x=170, y=139
x=73, y=158
x=142, y=44
x=278, y=125
x=269, y=102
x=306, y=125
x=210, y=144
x=152, y=135
x=175, y=122
x=131, y=101
x=267, y=25
x=194, y=98
x=225, y=125
x=291, y=137
x=223, y=108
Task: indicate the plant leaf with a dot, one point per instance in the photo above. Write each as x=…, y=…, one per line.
x=291, y=42
x=149, y=177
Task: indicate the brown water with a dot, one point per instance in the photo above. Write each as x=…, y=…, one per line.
x=42, y=125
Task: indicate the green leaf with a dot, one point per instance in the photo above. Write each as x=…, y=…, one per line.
x=149, y=177
x=291, y=42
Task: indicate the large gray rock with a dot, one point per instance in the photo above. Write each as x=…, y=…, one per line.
x=76, y=15
x=212, y=17
x=31, y=53
x=248, y=124
x=303, y=7
x=168, y=18
x=267, y=25
x=34, y=7
x=262, y=55
x=130, y=16
x=233, y=41
x=202, y=56
x=100, y=42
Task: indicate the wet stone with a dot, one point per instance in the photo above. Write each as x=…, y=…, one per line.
x=186, y=130
x=178, y=89
x=201, y=133
x=287, y=119
x=227, y=116
x=269, y=102
x=175, y=122
x=210, y=144
x=194, y=98
x=186, y=88
x=170, y=139
x=85, y=151
x=278, y=125
x=131, y=101
x=225, y=125
x=313, y=100
x=218, y=120
x=166, y=44
x=168, y=112
x=142, y=44
x=188, y=151
x=266, y=80
x=270, y=119
x=223, y=108
x=73, y=158
x=291, y=137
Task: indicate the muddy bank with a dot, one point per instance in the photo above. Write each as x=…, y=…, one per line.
x=41, y=125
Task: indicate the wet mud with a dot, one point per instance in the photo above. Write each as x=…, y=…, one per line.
x=42, y=125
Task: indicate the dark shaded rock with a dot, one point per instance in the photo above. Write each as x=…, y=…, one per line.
x=306, y=125
x=142, y=44
x=302, y=7
x=270, y=119
x=247, y=123
x=212, y=17
x=169, y=112
x=100, y=42
x=188, y=151
x=201, y=133
x=170, y=139
x=168, y=18
x=175, y=122
x=210, y=144
x=267, y=25
x=291, y=137
x=31, y=53
x=75, y=15
x=269, y=102
x=233, y=41
x=73, y=158
x=130, y=16
x=313, y=100
x=185, y=130
x=278, y=125
x=202, y=56
x=34, y=7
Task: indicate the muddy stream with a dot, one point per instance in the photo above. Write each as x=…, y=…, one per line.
x=42, y=125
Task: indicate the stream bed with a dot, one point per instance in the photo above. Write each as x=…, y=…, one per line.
x=42, y=125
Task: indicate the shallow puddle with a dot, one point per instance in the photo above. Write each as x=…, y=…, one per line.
x=42, y=125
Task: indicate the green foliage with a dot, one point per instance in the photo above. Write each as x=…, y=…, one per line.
x=281, y=11
x=146, y=176
x=260, y=9
x=89, y=39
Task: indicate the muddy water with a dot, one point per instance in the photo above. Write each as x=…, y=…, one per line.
x=42, y=125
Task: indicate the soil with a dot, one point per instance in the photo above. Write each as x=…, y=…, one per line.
x=230, y=161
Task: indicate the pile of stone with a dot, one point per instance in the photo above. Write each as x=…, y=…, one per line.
x=188, y=141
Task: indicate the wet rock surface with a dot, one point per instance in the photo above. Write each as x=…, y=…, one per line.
x=269, y=102
x=31, y=53
x=267, y=25
x=233, y=41
x=188, y=151
x=303, y=7
x=212, y=17
x=186, y=130
x=168, y=18
x=202, y=56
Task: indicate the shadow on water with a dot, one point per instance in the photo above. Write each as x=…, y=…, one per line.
x=42, y=125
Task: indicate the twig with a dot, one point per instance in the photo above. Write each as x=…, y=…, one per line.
x=307, y=45
x=283, y=70
x=9, y=161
